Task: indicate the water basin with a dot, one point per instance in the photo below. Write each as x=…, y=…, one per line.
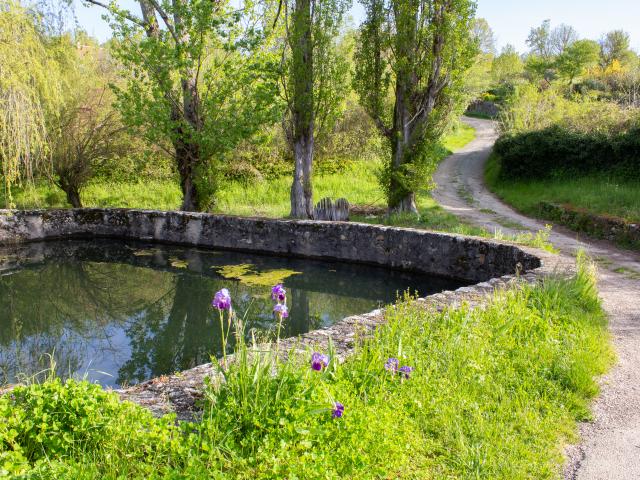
x=120, y=312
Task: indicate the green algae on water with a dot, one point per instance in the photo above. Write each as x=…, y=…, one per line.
x=246, y=273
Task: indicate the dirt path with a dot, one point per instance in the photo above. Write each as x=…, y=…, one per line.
x=610, y=445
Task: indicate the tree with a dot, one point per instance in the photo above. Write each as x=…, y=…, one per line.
x=546, y=42
x=562, y=37
x=312, y=79
x=507, y=66
x=31, y=87
x=615, y=46
x=579, y=56
x=478, y=79
x=420, y=50
x=199, y=83
x=539, y=40
x=484, y=35
x=86, y=134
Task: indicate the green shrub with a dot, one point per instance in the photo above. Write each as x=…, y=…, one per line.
x=72, y=421
x=558, y=151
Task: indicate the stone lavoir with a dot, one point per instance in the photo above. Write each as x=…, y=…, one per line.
x=467, y=259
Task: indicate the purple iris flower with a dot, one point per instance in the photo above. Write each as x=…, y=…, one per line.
x=222, y=300
x=392, y=365
x=405, y=371
x=319, y=361
x=281, y=310
x=338, y=410
x=278, y=293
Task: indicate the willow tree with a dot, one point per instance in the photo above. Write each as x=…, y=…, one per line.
x=30, y=87
x=200, y=78
x=410, y=65
x=314, y=84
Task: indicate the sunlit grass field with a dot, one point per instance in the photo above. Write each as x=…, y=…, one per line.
x=270, y=198
x=357, y=182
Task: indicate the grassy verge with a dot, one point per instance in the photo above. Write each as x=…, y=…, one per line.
x=495, y=393
x=600, y=195
x=609, y=197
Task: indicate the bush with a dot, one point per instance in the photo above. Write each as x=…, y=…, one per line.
x=559, y=151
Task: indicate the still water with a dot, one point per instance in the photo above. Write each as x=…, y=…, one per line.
x=120, y=312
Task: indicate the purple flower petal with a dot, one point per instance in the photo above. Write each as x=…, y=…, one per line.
x=392, y=365
x=338, y=410
x=222, y=300
x=281, y=310
x=278, y=293
x=406, y=371
x=319, y=361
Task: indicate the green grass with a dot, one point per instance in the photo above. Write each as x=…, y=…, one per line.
x=155, y=195
x=599, y=195
x=496, y=393
x=358, y=183
x=483, y=116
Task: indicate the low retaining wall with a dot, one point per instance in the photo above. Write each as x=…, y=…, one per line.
x=452, y=256
x=600, y=226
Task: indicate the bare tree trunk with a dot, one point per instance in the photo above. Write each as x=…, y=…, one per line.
x=302, y=189
x=401, y=199
x=188, y=153
x=73, y=197
x=186, y=158
x=303, y=115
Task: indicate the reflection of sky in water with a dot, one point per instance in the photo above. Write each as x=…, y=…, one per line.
x=122, y=312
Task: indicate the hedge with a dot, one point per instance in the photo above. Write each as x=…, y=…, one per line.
x=556, y=151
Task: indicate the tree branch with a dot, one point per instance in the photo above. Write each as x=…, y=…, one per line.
x=122, y=13
x=165, y=19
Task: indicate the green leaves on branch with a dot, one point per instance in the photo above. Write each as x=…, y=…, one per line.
x=198, y=86
x=410, y=65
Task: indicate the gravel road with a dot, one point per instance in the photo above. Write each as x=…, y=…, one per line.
x=609, y=445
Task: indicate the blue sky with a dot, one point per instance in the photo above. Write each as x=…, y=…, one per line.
x=510, y=20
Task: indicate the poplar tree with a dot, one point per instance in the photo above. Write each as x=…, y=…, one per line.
x=314, y=85
x=410, y=66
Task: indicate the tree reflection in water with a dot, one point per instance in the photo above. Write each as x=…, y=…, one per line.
x=122, y=312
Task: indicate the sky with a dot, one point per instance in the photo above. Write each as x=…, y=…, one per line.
x=510, y=20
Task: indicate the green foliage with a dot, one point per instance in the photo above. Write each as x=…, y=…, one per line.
x=556, y=151
x=577, y=58
x=599, y=194
x=527, y=108
x=615, y=46
x=507, y=66
x=494, y=394
x=421, y=50
x=199, y=86
x=32, y=86
x=48, y=428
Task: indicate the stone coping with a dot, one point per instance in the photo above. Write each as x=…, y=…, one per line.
x=493, y=264
x=453, y=256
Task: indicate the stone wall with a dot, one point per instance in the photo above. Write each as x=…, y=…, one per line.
x=452, y=256
x=599, y=226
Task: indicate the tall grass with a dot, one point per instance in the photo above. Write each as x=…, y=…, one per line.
x=495, y=393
